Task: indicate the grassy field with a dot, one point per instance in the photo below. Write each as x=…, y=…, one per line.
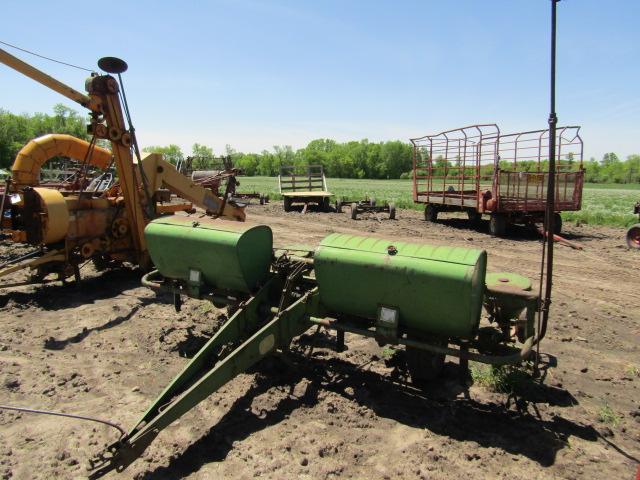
x=601, y=205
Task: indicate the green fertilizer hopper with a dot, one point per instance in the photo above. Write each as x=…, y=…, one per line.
x=427, y=298
x=358, y=275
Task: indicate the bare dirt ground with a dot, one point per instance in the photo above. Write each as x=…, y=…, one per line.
x=108, y=348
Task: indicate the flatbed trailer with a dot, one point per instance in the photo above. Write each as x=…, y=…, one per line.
x=304, y=184
x=478, y=170
x=368, y=205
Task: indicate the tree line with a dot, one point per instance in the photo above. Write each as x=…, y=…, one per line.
x=354, y=159
x=17, y=130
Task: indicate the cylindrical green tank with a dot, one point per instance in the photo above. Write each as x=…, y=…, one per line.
x=438, y=291
x=228, y=255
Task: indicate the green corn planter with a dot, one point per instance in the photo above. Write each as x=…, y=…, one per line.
x=437, y=291
x=227, y=255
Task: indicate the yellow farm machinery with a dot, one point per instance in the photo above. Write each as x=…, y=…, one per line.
x=68, y=228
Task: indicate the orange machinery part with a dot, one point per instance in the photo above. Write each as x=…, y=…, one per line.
x=26, y=168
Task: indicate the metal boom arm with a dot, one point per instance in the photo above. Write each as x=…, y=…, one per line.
x=265, y=331
x=48, y=81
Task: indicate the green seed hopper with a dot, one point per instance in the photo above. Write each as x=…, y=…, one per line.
x=427, y=298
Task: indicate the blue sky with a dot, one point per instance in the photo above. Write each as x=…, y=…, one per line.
x=254, y=73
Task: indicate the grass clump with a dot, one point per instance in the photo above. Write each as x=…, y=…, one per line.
x=632, y=370
x=500, y=379
x=607, y=415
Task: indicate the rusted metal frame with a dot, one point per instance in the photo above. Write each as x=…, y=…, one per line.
x=464, y=155
x=476, y=126
x=526, y=198
x=496, y=172
x=415, y=173
x=515, y=165
x=446, y=165
x=430, y=174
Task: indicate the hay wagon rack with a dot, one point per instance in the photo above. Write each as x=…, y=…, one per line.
x=304, y=184
x=479, y=170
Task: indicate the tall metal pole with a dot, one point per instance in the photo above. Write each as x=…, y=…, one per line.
x=551, y=183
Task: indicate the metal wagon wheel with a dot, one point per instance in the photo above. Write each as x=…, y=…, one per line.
x=430, y=213
x=557, y=223
x=474, y=216
x=633, y=236
x=497, y=225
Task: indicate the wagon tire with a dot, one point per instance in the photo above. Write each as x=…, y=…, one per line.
x=339, y=206
x=633, y=236
x=392, y=211
x=354, y=211
x=557, y=223
x=430, y=213
x=287, y=204
x=474, y=217
x=497, y=225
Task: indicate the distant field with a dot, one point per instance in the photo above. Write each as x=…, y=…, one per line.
x=602, y=204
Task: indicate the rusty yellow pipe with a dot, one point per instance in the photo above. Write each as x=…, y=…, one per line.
x=26, y=168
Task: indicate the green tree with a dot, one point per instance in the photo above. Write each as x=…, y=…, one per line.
x=202, y=156
x=172, y=153
x=17, y=130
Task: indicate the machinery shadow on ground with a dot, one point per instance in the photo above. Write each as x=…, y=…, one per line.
x=514, y=232
x=57, y=295
x=437, y=408
x=55, y=344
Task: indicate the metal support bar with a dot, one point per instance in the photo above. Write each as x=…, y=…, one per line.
x=197, y=381
x=520, y=355
x=48, y=81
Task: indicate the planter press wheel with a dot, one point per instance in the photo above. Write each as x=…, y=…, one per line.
x=633, y=236
x=424, y=366
x=354, y=211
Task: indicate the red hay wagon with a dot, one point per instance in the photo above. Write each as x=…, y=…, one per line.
x=481, y=171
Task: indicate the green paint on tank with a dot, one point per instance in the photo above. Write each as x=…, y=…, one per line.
x=508, y=280
x=230, y=255
x=438, y=290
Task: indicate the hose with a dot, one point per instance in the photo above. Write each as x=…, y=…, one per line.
x=147, y=280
